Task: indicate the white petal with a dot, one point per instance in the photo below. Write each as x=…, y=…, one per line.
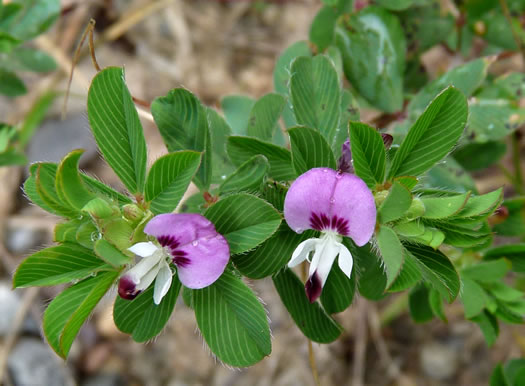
x=301, y=252
x=162, y=282
x=324, y=258
x=144, y=266
x=147, y=279
x=143, y=249
x=345, y=260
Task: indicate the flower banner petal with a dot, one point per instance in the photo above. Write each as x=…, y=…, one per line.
x=206, y=258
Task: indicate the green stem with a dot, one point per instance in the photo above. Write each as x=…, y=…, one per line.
x=518, y=175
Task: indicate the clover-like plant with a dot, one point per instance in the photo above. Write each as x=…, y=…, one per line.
x=387, y=208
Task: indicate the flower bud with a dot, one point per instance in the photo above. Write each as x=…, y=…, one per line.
x=132, y=213
x=417, y=209
x=100, y=208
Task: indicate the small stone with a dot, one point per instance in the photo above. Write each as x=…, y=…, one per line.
x=33, y=363
x=9, y=305
x=439, y=361
x=21, y=240
x=56, y=138
x=105, y=380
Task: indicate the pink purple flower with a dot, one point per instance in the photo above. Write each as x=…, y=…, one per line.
x=190, y=242
x=338, y=205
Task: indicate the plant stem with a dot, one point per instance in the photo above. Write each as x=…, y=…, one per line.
x=313, y=366
x=311, y=355
x=506, y=13
x=518, y=175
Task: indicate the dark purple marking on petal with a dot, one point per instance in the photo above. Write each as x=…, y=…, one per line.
x=169, y=241
x=313, y=287
x=179, y=258
x=127, y=289
x=322, y=222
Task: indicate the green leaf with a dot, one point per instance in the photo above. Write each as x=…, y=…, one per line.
x=45, y=175
x=419, y=305
x=264, y=116
x=183, y=123
x=12, y=157
x=315, y=93
x=7, y=42
x=481, y=205
x=338, y=291
x=443, y=207
x=396, y=5
x=69, y=186
x=309, y=150
x=86, y=234
x=101, y=188
x=169, y=178
x=515, y=371
x=372, y=276
x=514, y=253
x=11, y=85
x=488, y=325
x=272, y=255
x=110, y=254
x=493, y=119
x=241, y=149
x=437, y=270
x=244, y=220
x=116, y=127
x=219, y=133
x=498, y=377
x=141, y=317
x=477, y=156
x=503, y=292
x=409, y=275
x=30, y=59
x=392, y=253
x=68, y=311
x=34, y=117
x=487, y=271
x=322, y=28
x=56, y=265
x=248, y=177
x=232, y=321
x=433, y=135
x=449, y=175
x=282, y=74
x=30, y=190
x=473, y=297
x=34, y=18
x=396, y=203
x=275, y=193
x=311, y=319
x=466, y=78
x=373, y=46
x=349, y=112
x=368, y=153
x=237, y=109
x=436, y=304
